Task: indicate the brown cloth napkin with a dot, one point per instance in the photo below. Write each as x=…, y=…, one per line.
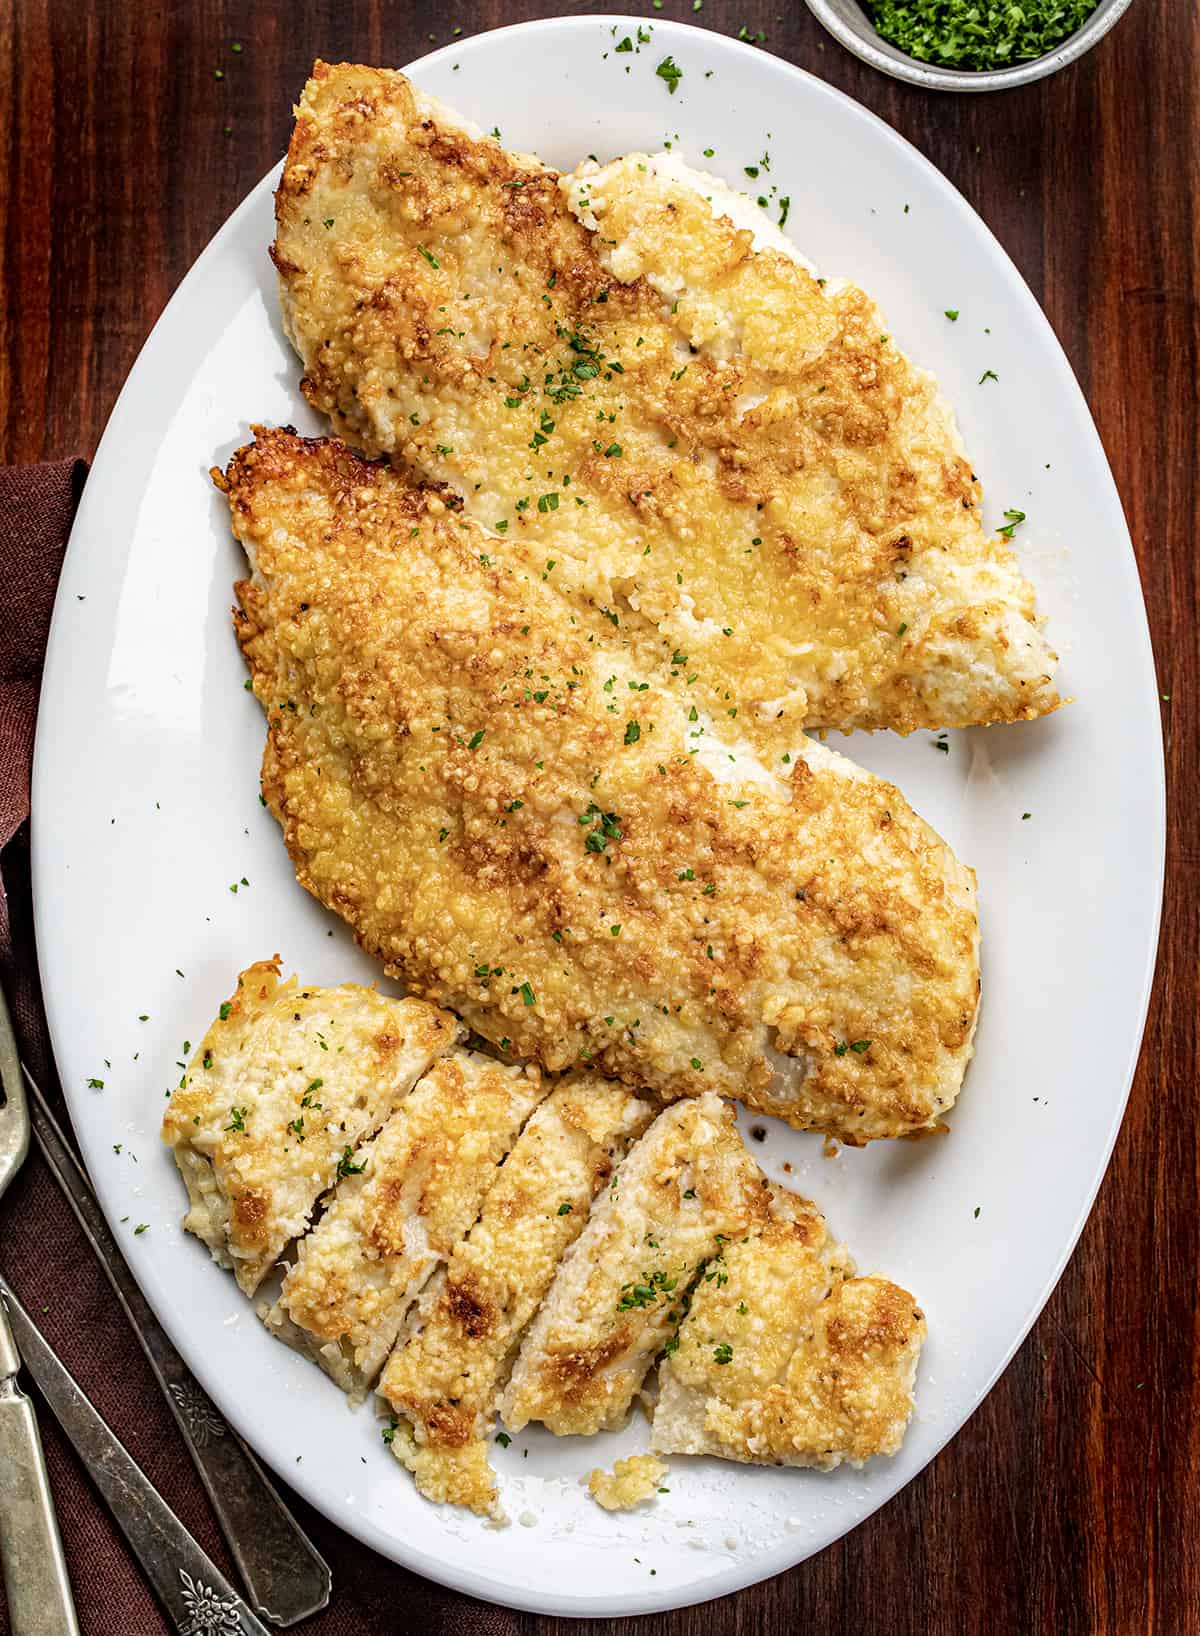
x=44, y=1254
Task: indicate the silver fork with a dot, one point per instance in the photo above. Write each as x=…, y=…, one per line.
x=35, y=1569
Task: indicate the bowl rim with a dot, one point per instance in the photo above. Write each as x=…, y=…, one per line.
x=888, y=59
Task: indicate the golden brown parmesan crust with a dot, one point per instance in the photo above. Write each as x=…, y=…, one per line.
x=770, y=485
x=630, y=1483
x=789, y=1359
x=521, y=812
x=284, y=1082
x=444, y=1384
x=585, y=1241
x=687, y=1189
x=411, y=1195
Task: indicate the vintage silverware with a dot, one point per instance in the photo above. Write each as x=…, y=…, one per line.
x=197, y=1597
x=35, y=1570
x=286, y=1578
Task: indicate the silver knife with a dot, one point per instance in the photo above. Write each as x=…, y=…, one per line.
x=285, y=1575
x=197, y=1597
x=35, y=1571
x=36, y=1582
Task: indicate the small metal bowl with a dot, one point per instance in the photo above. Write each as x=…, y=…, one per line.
x=848, y=22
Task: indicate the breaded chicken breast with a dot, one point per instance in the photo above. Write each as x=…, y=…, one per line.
x=283, y=1087
x=703, y=436
x=443, y=1385
x=785, y=1357
x=687, y=1189
x=530, y=818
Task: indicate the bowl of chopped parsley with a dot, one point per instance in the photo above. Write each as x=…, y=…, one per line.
x=968, y=45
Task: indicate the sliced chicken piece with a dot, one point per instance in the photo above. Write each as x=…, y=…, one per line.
x=403, y=1204
x=787, y=1358
x=281, y=1090
x=686, y=1190
x=443, y=1384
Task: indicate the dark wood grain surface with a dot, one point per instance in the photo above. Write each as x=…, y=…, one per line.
x=1071, y=1502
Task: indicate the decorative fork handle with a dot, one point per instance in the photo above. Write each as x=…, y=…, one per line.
x=285, y=1575
x=35, y=1571
x=199, y=1600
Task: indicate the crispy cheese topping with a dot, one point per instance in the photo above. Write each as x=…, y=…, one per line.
x=709, y=440
x=444, y=737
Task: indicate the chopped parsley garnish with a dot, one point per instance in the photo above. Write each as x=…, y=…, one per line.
x=475, y=740
x=648, y=1292
x=1012, y=519
x=429, y=256
x=668, y=70
x=527, y=994
x=95, y=1084
x=346, y=1165
x=723, y=1353
x=988, y=375
x=564, y=1208
x=952, y=314
x=237, y=1119
x=503, y=1439
x=978, y=34
x=633, y=732
x=605, y=827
